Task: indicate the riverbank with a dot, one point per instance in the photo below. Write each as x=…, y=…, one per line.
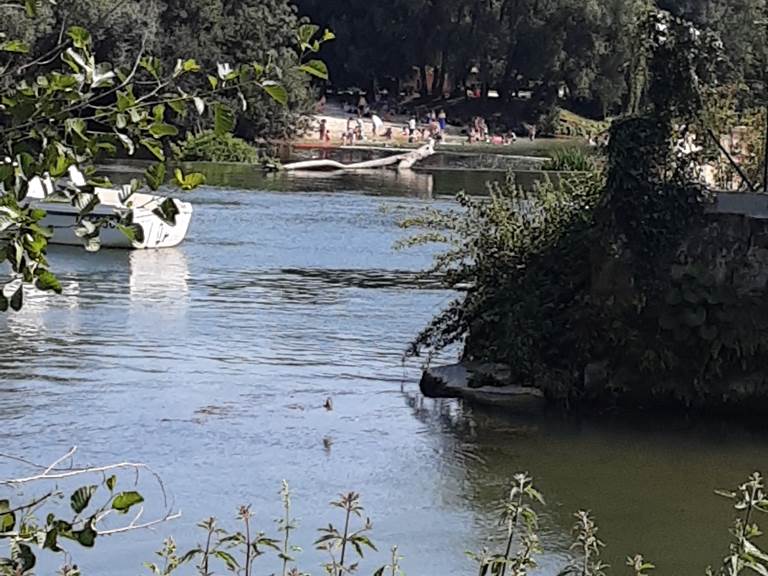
x=454, y=140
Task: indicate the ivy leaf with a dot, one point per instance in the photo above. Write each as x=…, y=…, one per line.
x=316, y=68
x=125, y=500
x=81, y=498
x=277, y=92
x=111, y=482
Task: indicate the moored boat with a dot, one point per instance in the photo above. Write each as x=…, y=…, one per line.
x=156, y=221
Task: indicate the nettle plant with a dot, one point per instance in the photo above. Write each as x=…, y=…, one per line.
x=60, y=508
x=63, y=110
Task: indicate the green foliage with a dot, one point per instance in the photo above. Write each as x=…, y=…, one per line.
x=212, y=147
x=567, y=123
x=27, y=531
x=521, y=260
x=601, y=273
x=64, y=105
x=571, y=160
x=268, y=32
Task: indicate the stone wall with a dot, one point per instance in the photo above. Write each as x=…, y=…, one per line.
x=706, y=335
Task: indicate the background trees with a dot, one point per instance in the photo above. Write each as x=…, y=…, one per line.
x=210, y=31
x=582, y=48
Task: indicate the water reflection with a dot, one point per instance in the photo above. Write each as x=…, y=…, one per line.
x=643, y=480
x=159, y=278
x=418, y=184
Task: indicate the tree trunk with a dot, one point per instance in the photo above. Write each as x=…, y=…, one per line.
x=403, y=161
x=423, y=78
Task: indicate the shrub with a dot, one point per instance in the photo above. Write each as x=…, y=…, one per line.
x=210, y=147
x=571, y=160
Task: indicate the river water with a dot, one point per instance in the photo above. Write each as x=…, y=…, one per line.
x=212, y=364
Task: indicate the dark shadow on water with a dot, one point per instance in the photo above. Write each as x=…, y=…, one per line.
x=649, y=480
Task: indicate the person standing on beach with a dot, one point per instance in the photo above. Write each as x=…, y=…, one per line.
x=378, y=124
x=362, y=104
x=323, y=129
x=442, y=120
x=412, y=129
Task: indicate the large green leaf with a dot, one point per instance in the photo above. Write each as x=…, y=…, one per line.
x=24, y=559
x=87, y=536
x=80, y=37
x=161, y=130
x=155, y=147
x=7, y=518
x=277, y=92
x=76, y=126
x=316, y=68
x=306, y=32
x=81, y=498
x=125, y=500
x=189, y=181
x=155, y=175
x=223, y=119
x=15, y=46
x=17, y=300
x=46, y=280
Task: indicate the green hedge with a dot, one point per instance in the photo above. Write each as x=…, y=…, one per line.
x=211, y=147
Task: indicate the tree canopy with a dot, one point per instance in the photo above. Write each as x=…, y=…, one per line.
x=580, y=47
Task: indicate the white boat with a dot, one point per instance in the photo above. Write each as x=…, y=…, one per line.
x=156, y=231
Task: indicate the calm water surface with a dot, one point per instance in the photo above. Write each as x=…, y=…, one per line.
x=212, y=362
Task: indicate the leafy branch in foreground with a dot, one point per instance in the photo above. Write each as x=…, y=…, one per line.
x=66, y=109
x=32, y=521
x=90, y=511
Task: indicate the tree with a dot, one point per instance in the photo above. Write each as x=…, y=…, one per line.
x=264, y=31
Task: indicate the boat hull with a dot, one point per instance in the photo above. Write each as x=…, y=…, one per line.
x=157, y=233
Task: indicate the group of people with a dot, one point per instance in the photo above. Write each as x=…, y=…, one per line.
x=478, y=132
x=432, y=126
